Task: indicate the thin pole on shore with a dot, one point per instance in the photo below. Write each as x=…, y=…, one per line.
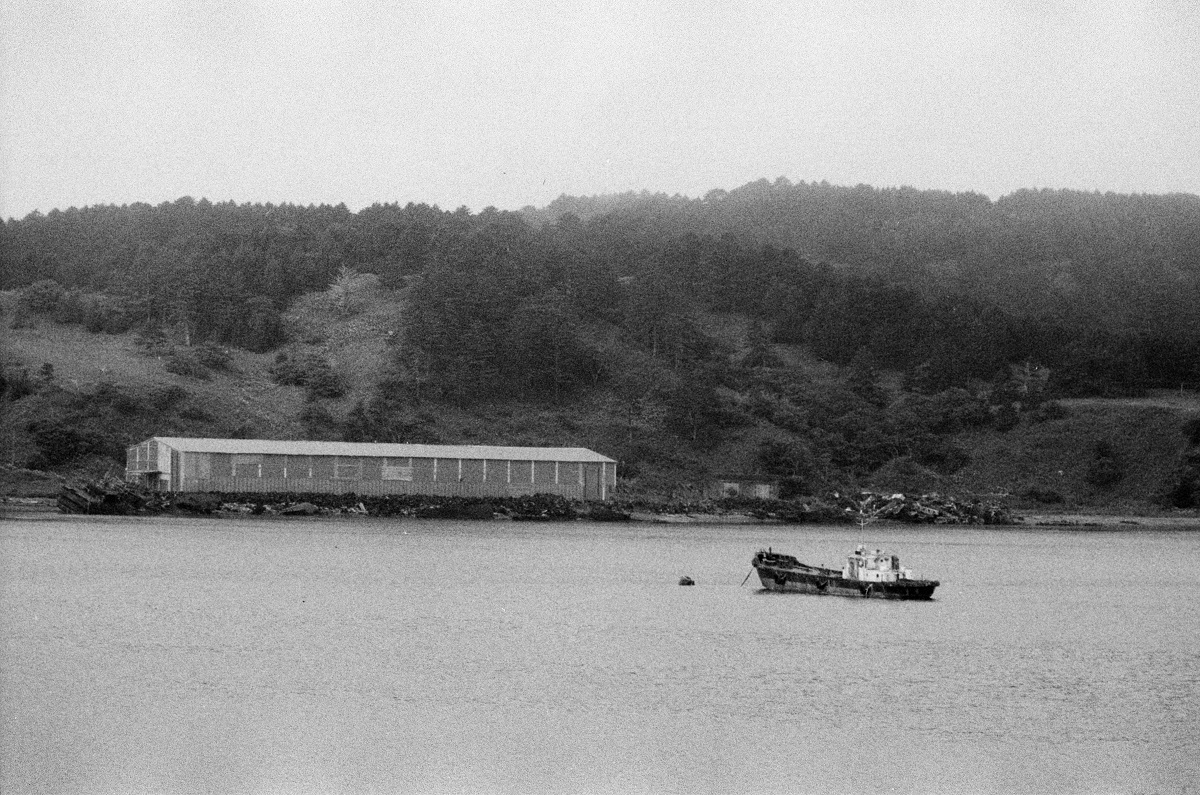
x=747, y=577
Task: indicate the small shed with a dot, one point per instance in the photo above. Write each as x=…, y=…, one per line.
x=263, y=466
x=762, y=487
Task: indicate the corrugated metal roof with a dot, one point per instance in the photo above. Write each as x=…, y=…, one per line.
x=467, y=451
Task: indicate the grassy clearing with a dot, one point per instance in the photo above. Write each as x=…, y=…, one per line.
x=81, y=360
x=356, y=336
x=1054, y=457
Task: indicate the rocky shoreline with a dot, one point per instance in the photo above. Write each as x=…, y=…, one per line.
x=119, y=498
x=926, y=509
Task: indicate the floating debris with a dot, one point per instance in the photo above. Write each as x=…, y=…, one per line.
x=109, y=496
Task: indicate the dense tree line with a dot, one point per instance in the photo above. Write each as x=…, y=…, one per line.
x=1101, y=290
x=902, y=230
x=219, y=272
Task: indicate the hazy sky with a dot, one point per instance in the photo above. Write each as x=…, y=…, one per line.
x=509, y=103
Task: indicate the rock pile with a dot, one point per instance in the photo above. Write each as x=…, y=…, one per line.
x=922, y=509
x=118, y=497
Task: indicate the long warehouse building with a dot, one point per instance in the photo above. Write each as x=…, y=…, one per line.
x=168, y=463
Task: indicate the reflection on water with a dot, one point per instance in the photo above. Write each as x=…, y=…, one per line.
x=360, y=655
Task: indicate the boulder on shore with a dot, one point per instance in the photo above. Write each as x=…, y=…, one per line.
x=300, y=509
x=197, y=503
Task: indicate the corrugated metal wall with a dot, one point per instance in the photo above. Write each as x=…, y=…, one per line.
x=221, y=472
x=470, y=471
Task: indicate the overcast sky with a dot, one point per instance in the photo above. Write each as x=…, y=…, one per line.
x=510, y=103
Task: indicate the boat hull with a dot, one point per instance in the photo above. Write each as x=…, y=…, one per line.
x=830, y=583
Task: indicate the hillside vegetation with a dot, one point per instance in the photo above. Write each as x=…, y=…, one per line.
x=114, y=391
x=834, y=338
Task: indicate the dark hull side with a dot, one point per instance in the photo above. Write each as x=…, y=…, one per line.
x=833, y=584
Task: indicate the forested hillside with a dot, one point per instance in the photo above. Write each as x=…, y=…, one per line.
x=817, y=332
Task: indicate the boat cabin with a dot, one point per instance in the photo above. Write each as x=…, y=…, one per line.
x=874, y=566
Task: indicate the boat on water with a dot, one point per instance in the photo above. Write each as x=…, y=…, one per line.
x=874, y=575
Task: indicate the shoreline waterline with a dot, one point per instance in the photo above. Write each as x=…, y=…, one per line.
x=34, y=509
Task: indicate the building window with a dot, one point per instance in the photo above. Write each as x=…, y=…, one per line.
x=730, y=489
x=393, y=470
x=762, y=491
x=347, y=468
x=247, y=466
x=297, y=466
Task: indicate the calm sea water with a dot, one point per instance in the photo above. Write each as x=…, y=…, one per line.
x=224, y=655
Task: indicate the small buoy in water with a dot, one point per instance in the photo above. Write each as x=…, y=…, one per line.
x=686, y=581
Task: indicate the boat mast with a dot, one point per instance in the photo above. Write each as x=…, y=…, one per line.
x=866, y=516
